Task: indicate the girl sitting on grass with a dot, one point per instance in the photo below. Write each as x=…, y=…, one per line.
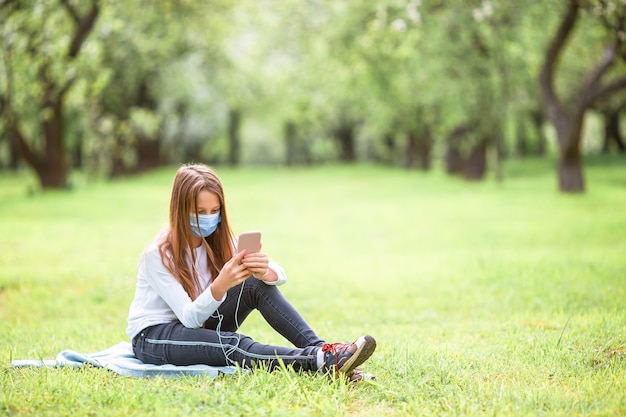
x=194, y=291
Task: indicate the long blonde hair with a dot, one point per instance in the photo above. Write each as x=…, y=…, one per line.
x=176, y=248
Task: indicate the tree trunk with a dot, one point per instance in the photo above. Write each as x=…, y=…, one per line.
x=453, y=158
x=569, y=133
x=77, y=155
x=14, y=156
x=521, y=141
x=612, y=131
x=345, y=138
x=538, y=119
x=148, y=153
x=475, y=165
x=148, y=148
x=53, y=172
x=418, y=149
x=571, y=170
x=234, y=140
x=499, y=155
x=289, y=131
x=51, y=167
x=118, y=167
x=425, y=155
x=411, y=149
x=389, y=140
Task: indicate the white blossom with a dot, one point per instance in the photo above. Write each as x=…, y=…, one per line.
x=399, y=25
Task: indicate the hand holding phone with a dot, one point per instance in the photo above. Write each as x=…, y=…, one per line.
x=254, y=261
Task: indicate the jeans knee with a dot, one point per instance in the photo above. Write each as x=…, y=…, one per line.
x=260, y=289
x=256, y=283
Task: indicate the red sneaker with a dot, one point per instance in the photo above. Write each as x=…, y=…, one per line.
x=345, y=357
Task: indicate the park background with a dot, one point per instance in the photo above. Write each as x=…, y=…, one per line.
x=448, y=176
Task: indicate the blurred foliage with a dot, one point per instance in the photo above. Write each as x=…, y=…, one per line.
x=403, y=82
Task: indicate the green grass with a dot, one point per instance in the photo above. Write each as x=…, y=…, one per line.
x=485, y=298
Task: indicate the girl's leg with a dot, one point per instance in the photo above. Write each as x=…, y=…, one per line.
x=273, y=306
x=173, y=343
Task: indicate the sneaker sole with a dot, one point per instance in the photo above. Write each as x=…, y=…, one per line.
x=361, y=355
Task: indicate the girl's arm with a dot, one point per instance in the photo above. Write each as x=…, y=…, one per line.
x=191, y=314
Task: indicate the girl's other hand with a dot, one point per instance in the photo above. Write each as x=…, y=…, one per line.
x=257, y=263
x=234, y=272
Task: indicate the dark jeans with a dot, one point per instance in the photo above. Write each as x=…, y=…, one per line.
x=217, y=344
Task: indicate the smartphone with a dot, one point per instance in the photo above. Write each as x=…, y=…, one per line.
x=251, y=241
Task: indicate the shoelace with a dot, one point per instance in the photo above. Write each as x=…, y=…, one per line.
x=336, y=349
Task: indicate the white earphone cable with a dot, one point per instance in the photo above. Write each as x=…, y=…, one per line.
x=218, y=329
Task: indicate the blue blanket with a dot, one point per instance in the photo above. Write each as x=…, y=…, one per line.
x=121, y=360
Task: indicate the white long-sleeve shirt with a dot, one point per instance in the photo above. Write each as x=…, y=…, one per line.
x=160, y=298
